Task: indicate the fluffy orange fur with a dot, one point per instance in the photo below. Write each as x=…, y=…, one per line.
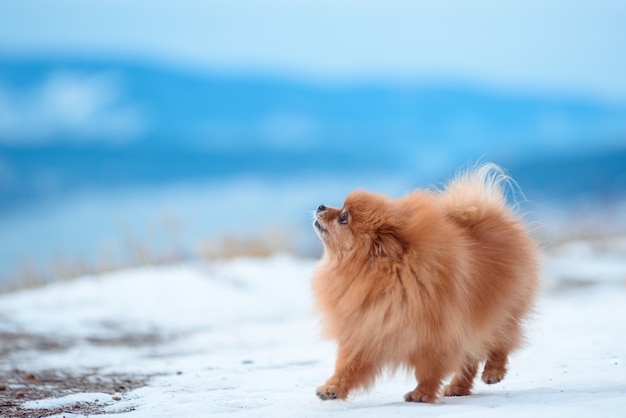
x=436, y=282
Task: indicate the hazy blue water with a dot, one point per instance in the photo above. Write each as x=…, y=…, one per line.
x=179, y=217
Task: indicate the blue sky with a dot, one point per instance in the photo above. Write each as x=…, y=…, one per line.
x=567, y=46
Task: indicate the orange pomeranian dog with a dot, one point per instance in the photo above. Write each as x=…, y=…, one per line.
x=436, y=282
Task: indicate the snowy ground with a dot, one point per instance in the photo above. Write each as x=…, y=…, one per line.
x=238, y=338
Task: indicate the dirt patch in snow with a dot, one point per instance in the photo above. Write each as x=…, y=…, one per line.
x=19, y=386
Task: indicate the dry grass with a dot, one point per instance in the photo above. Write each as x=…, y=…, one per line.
x=271, y=241
x=31, y=275
x=599, y=242
x=137, y=253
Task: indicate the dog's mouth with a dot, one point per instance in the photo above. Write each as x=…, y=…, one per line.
x=320, y=228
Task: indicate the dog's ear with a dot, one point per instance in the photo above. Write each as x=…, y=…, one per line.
x=387, y=242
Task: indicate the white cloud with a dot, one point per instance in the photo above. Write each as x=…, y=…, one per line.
x=69, y=106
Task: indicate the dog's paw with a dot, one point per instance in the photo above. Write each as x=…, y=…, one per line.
x=330, y=392
x=456, y=390
x=493, y=375
x=419, y=396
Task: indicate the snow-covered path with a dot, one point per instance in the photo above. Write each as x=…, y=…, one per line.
x=238, y=338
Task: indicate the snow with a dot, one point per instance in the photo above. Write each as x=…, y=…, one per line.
x=239, y=338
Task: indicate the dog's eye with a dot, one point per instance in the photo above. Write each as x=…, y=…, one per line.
x=343, y=218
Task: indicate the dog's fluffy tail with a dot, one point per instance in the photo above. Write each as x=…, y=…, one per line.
x=477, y=193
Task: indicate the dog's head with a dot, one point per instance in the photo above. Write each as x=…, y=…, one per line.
x=365, y=225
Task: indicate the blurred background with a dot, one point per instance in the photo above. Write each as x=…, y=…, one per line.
x=137, y=132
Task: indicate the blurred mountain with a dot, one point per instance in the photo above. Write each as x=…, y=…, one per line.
x=69, y=123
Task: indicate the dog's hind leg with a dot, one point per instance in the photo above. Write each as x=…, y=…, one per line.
x=495, y=367
x=461, y=384
x=509, y=339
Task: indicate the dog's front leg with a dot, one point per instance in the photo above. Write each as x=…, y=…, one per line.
x=351, y=371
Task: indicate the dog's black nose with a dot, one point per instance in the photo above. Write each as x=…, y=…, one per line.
x=321, y=208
